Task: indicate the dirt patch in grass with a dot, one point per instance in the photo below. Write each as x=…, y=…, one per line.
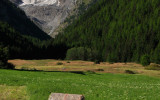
x=51, y=65
x=19, y=62
x=13, y=93
x=119, y=64
x=71, y=63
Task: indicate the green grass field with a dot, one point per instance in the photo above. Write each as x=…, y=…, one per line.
x=94, y=86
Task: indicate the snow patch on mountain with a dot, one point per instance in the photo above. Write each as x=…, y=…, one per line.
x=39, y=2
x=48, y=14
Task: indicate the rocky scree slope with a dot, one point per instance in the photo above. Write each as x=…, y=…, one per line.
x=17, y=19
x=48, y=14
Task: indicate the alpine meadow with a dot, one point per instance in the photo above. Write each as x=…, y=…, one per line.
x=96, y=49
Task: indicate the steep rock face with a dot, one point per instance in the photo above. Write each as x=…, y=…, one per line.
x=47, y=14
x=17, y=19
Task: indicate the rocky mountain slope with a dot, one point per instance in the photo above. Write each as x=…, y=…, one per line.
x=48, y=14
x=16, y=18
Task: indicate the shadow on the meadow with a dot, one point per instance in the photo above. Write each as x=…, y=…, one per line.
x=75, y=72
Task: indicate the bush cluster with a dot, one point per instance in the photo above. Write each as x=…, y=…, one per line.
x=145, y=60
x=4, y=58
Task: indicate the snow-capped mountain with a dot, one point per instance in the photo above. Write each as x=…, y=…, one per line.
x=39, y=2
x=47, y=14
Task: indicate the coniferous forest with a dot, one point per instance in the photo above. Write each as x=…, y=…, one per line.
x=116, y=31
x=20, y=38
x=105, y=50
x=110, y=30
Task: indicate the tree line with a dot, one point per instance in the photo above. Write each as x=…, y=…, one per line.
x=110, y=30
x=117, y=31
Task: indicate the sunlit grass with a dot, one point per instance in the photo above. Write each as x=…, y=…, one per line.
x=13, y=93
x=93, y=86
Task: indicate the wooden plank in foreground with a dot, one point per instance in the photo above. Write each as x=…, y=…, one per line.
x=61, y=96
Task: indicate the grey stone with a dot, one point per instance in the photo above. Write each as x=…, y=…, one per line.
x=62, y=96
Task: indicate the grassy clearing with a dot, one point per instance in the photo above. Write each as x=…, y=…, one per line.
x=103, y=67
x=93, y=86
x=13, y=93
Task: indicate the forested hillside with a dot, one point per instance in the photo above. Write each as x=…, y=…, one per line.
x=27, y=47
x=22, y=39
x=116, y=31
x=110, y=30
x=18, y=20
x=19, y=45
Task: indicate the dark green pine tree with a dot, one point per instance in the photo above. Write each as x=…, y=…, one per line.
x=117, y=30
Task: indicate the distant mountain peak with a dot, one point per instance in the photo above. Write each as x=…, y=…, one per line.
x=50, y=14
x=40, y=2
x=47, y=14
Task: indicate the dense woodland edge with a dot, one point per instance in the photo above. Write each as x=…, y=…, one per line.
x=110, y=30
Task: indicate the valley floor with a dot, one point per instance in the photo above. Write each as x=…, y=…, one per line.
x=65, y=65
x=79, y=77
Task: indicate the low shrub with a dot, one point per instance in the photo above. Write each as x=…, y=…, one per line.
x=6, y=65
x=4, y=58
x=97, y=62
x=59, y=63
x=111, y=62
x=145, y=60
x=24, y=68
x=153, y=67
x=99, y=69
x=129, y=72
x=90, y=72
x=10, y=66
x=68, y=61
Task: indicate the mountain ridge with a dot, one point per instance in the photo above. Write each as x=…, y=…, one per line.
x=49, y=14
x=15, y=17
